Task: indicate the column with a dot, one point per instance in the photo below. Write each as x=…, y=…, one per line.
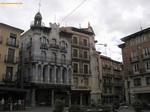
x=69, y=99
x=42, y=73
x=36, y=72
x=52, y=98
x=67, y=76
x=61, y=74
x=31, y=73
x=54, y=75
x=48, y=69
x=71, y=75
x=80, y=99
x=33, y=98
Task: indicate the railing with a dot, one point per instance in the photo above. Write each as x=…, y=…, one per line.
x=11, y=42
x=141, y=71
x=11, y=59
x=1, y=39
x=47, y=59
x=63, y=49
x=7, y=78
x=33, y=24
x=117, y=84
x=53, y=45
x=146, y=56
x=134, y=59
x=44, y=46
x=107, y=84
x=117, y=76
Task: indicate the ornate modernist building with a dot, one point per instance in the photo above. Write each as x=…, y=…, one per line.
x=136, y=63
x=45, y=63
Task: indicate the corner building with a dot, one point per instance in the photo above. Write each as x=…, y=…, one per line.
x=136, y=64
x=45, y=64
x=9, y=57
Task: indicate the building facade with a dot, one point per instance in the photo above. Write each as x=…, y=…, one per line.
x=111, y=80
x=9, y=57
x=81, y=46
x=45, y=63
x=136, y=64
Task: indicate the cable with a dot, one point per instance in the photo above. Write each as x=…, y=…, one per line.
x=73, y=11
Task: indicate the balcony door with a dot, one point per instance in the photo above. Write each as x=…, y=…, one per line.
x=9, y=73
x=11, y=53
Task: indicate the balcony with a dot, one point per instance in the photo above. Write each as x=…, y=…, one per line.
x=1, y=39
x=53, y=45
x=7, y=78
x=32, y=24
x=21, y=49
x=11, y=59
x=146, y=56
x=81, y=88
x=44, y=46
x=12, y=42
x=117, y=84
x=142, y=71
x=117, y=76
x=47, y=59
x=107, y=84
x=106, y=66
x=134, y=59
x=63, y=49
x=28, y=45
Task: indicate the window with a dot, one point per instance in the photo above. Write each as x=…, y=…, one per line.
x=12, y=39
x=85, y=69
x=133, y=53
x=110, y=90
x=75, y=53
x=9, y=73
x=75, y=67
x=128, y=84
x=54, y=41
x=84, y=42
x=136, y=68
x=85, y=54
x=148, y=80
x=63, y=58
x=43, y=56
x=146, y=51
x=54, y=58
x=11, y=55
x=74, y=40
x=86, y=82
x=137, y=82
x=76, y=81
x=105, y=90
x=147, y=65
x=63, y=44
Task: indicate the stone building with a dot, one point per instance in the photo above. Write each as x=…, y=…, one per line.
x=136, y=64
x=111, y=77
x=45, y=63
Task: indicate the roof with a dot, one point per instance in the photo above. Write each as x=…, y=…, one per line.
x=38, y=15
x=135, y=34
x=20, y=30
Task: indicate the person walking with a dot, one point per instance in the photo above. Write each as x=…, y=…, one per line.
x=2, y=104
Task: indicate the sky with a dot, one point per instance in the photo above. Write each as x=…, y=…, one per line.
x=111, y=20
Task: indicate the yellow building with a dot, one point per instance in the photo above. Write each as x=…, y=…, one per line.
x=9, y=56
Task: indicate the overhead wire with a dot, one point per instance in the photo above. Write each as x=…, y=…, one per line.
x=73, y=11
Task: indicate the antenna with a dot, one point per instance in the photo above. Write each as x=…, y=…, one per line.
x=140, y=26
x=39, y=5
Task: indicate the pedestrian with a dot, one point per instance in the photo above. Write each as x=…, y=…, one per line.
x=19, y=104
x=2, y=104
x=10, y=103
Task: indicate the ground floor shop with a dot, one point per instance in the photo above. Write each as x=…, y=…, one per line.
x=81, y=98
x=110, y=99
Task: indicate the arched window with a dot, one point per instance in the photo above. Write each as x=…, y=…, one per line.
x=43, y=56
x=54, y=58
x=63, y=58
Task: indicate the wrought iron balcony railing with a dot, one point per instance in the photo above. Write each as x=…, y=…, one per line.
x=11, y=59
x=12, y=42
